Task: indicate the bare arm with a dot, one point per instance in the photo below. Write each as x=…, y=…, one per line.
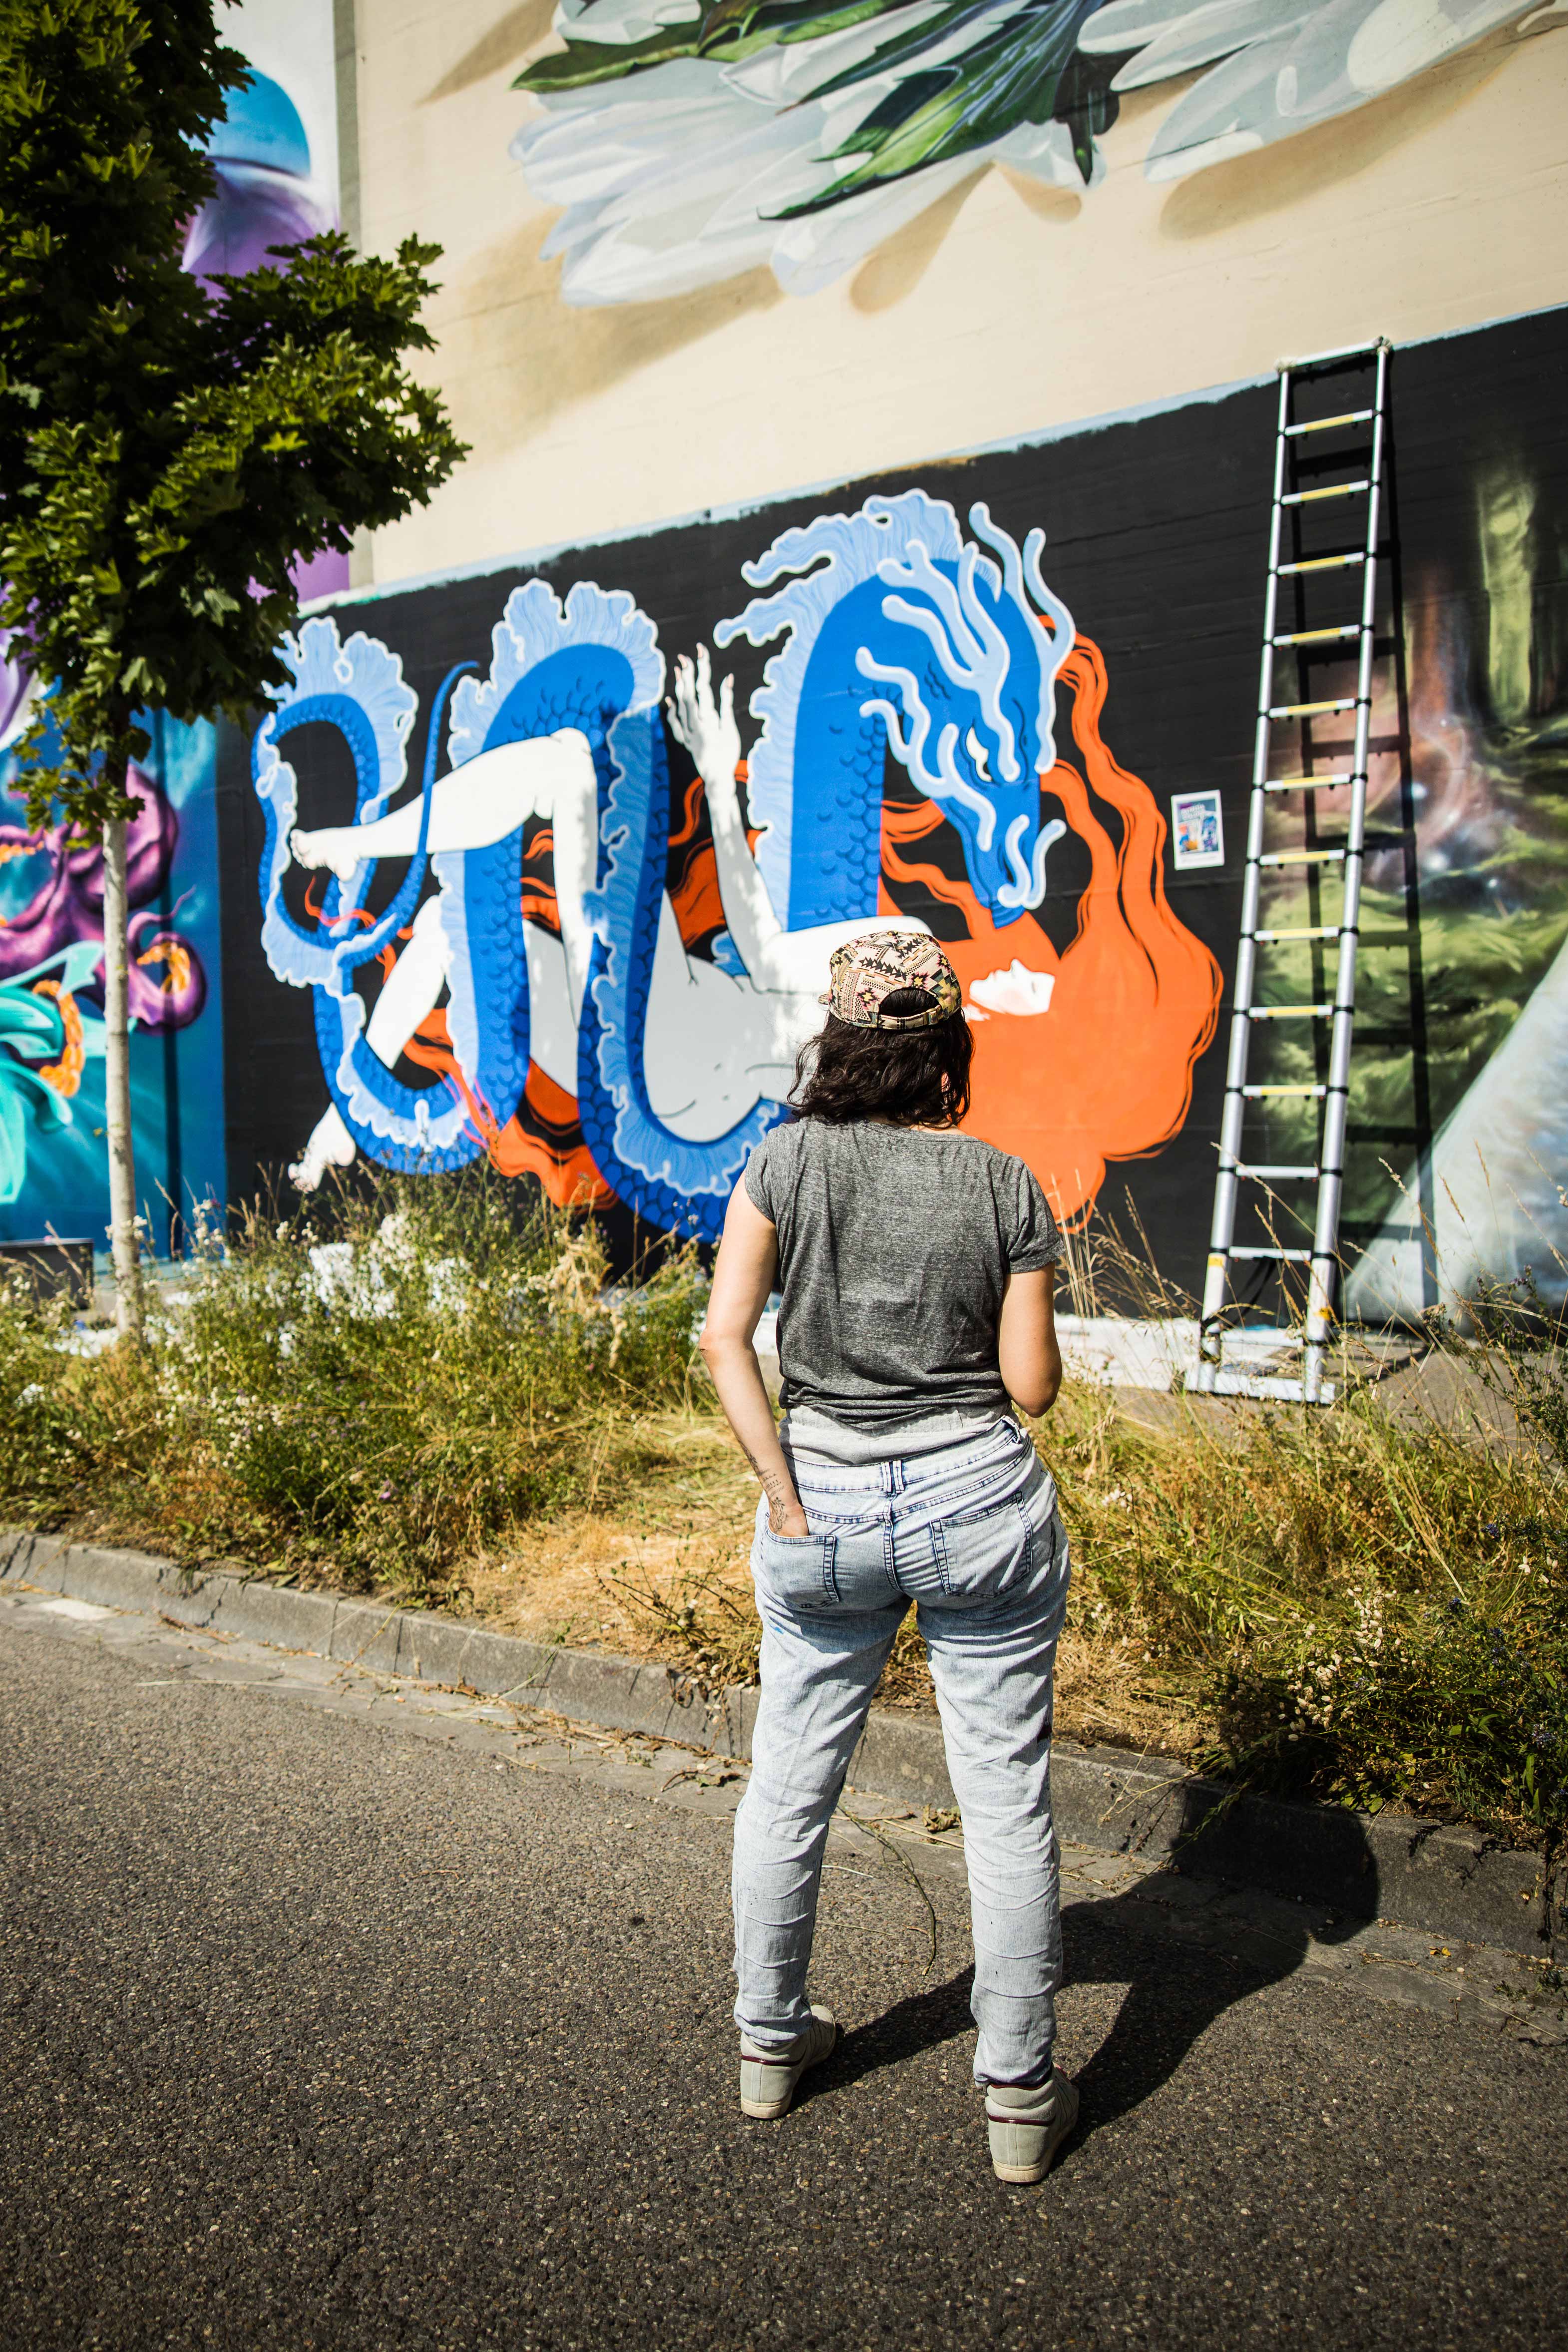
x=744, y=1275
x=1026, y=1346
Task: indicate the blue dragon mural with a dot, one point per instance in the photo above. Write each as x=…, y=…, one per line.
x=673, y=1048
x=960, y=674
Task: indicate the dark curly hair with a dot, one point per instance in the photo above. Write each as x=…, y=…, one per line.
x=911, y=1077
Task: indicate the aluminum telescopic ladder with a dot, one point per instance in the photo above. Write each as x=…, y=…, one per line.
x=1341, y=639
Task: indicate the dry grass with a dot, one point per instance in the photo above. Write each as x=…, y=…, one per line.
x=1366, y=1604
x=663, y=1574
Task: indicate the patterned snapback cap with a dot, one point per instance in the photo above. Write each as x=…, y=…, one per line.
x=866, y=972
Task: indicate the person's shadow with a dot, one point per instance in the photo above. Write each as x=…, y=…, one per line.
x=1186, y=1952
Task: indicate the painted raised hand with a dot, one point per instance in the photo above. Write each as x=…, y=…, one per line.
x=705, y=725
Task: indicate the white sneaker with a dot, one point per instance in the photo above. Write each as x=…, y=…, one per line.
x=769, y=2077
x=1027, y=2128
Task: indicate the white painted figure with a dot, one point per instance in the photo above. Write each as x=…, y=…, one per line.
x=715, y=1042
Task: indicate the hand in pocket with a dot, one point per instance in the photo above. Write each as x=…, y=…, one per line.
x=796, y=1570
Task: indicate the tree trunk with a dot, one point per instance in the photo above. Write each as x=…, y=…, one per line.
x=123, y=1241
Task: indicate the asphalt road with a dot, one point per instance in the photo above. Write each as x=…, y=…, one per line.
x=315, y=2034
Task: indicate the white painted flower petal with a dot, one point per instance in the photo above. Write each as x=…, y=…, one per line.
x=791, y=70
x=1402, y=37
x=1236, y=102
x=1205, y=34
x=1294, y=68
x=1043, y=150
x=1198, y=158
x=1129, y=23
x=617, y=23
x=667, y=178
x=811, y=253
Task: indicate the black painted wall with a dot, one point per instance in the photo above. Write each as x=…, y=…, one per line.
x=1157, y=536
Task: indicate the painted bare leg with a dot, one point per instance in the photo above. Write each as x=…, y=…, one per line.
x=408, y=995
x=574, y=813
x=479, y=802
x=552, y=1018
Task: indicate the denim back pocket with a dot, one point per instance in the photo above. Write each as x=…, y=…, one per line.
x=796, y=1570
x=981, y=1554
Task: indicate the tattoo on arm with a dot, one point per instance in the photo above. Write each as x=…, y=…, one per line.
x=777, y=1490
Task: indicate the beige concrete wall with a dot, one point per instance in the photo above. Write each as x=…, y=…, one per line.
x=1005, y=309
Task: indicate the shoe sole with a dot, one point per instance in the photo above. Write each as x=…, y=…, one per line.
x=768, y=2111
x=1023, y=2175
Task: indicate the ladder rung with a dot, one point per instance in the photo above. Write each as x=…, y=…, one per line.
x=1339, y=357
x=1380, y=939
x=1302, y=931
x=1310, y=710
x=1371, y=1130
x=1322, y=563
x=1319, y=637
x=1257, y=1093
x=1286, y=1011
x=1327, y=424
x=1307, y=784
x=1333, y=490
x=1303, y=857
x=1280, y=1254
x=1264, y=1168
x=1344, y=751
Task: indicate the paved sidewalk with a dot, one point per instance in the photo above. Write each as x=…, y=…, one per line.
x=336, y=2011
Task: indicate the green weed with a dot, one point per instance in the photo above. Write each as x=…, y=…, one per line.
x=378, y=1383
x=386, y=1390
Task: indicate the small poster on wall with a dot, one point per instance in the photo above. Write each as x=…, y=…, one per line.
x=1197, y=829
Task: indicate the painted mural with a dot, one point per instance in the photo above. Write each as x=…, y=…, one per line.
x=1489, y=724
x=689, y=141
x=605, y=979
x=550, y=857
x=276, y=163
x=51, y=999
x=274, y=159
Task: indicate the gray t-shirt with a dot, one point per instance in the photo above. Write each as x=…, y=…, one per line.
x=895, y=1246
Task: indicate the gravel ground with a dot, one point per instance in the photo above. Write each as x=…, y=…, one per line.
x=315, y=2034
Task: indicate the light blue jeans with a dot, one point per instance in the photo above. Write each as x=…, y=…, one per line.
x=970, y=1534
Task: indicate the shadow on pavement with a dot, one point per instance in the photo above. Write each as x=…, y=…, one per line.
x=1183, y=1970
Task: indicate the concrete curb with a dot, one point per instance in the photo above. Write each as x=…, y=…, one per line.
x=1425, y=1875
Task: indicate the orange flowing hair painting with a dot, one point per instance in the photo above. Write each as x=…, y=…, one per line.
x=1104, y=1071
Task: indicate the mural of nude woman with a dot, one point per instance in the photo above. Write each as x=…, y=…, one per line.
x=899, y=639
x=716, y=1042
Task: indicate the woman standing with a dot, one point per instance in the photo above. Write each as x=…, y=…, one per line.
x=916, y=1267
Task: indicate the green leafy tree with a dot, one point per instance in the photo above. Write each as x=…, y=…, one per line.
x=165, y=455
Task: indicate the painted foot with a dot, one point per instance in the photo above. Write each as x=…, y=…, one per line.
x=336, y=847
x=331, y=1146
